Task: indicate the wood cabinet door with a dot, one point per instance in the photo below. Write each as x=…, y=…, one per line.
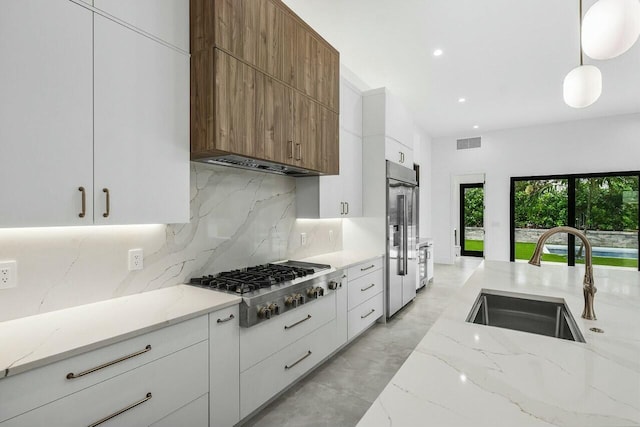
x=328, y=146
x=307, y=62
x=306, y=133
x=141, y=128
x=237, y=106
x=289, y=50
x=277, y=118
x=46, y=113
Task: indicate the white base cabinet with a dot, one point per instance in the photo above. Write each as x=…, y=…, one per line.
x=193, y=414
x=365, y=296
x=167, y=370
x=224, y=368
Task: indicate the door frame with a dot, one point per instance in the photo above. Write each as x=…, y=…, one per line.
x=463, y=187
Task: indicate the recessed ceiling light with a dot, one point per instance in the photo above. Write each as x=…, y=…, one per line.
x=437, y=52
x=462, y=100
x=476, y=126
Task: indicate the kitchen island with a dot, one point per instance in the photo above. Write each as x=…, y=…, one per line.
x=464, y=374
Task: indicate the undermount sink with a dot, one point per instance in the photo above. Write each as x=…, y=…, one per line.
x=536, y=314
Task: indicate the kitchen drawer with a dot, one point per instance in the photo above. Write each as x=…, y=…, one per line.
x=194, y=414
x=267, y=378
x=260, y=341
x=364, y=268
x=364, y=315
x=40, y=386
x=364, y=287
x=161, y=387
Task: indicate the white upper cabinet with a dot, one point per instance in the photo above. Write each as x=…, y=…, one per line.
x=46, y=111
x=89, y=105
x=168, y=20
x=338, y=196
x=141, y=99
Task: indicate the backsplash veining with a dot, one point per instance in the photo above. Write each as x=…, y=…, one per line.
x=238, y=218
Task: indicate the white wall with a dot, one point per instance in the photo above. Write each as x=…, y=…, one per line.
x=601, y=145
x=422, y=153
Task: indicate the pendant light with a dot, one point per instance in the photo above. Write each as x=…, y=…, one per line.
x=583, y=85
x=610, y=28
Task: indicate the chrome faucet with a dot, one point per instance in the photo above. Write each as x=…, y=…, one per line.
x=588, y=288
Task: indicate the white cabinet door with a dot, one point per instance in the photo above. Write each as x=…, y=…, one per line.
x=167, y=20
x=141, y=128
x=351, y=173
x=45, y=113
x=224, y=367
x=398, y=153
x=195, y=414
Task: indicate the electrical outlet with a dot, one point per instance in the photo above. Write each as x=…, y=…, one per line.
x=303, y=239
x=331, y=235
x=136, y=259
x=8, y=274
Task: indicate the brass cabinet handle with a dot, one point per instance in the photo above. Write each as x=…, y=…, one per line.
x=298, y=322
x=368, y=314
x=367, y=288
x=290, y=150
x=231, y=317
x=108, y=196
x=84, y=202
x=299, y=151
x=121, y=411
x=298, y=361
x=368, y=268
x=71, y=375
x=347, y=212
x=342, y=208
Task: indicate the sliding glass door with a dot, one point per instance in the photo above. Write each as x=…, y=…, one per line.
x=604, y=206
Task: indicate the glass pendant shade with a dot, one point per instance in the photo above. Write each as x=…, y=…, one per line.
x=582, y=86
x=610, y=28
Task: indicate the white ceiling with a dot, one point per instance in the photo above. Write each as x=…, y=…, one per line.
x=508, y=58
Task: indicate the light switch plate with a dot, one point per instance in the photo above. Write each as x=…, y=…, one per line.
x=8, y=274
x=303, y=239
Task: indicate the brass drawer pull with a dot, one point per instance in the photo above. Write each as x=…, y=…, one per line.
x=368, y=287
x=298, y=322
x=368, y=314
x=298, y=361
x=368, y=268
x=106, y=191
x=231, y=317
x=121, y=411
x=290, y=150
x=84, y=202
x=71, y=375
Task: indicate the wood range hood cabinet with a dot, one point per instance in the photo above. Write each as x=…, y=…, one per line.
x=264, y=89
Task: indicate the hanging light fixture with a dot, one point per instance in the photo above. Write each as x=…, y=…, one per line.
x=583, y=85
x=610, y=28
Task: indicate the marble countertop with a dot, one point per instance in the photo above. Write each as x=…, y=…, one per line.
x=35, y=341
x=343, y=259
x=464, y=374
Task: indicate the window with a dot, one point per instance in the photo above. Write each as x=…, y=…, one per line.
x=604, y=206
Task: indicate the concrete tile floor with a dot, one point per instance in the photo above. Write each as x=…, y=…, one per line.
x=338, y=393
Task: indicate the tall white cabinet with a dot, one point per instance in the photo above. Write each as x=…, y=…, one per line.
x=338, y=196
x=94, y=119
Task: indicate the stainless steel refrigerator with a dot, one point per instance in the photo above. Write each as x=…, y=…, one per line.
x=402, y=232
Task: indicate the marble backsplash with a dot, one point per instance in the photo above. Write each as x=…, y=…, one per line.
x=238, y=218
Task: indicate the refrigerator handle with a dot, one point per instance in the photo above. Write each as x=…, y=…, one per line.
x=405, y=240
x=403, y=237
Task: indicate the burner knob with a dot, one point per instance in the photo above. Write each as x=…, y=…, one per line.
x=300, y=299
x=264, y=313
x=319, y=291
x=291, y=301
x=274, y=308
x=333, y=285
x=312, y=292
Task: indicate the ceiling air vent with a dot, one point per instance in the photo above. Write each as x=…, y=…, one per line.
x=467, y=143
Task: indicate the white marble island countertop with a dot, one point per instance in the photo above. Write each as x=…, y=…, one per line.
x=463, y=374
x=35, y=341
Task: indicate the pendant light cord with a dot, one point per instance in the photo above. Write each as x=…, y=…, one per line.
x=580, y=35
